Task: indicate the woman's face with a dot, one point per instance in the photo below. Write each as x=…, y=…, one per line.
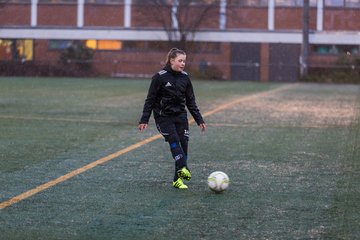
x=178, y=63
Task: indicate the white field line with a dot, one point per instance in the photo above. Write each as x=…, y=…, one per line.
x=246, y=125
x=11, y=117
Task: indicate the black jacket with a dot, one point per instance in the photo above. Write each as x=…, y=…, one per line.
x=169, y=93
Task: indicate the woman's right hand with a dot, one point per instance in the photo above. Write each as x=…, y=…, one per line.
x=142, y=126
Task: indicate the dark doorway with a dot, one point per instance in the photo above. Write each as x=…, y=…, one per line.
x=245, y=61
x=284, y=62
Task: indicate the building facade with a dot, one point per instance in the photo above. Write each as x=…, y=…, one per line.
x=256, y=40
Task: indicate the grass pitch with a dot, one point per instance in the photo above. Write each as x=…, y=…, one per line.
x=291, y=152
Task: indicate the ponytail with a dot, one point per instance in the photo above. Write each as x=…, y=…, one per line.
x=173, y=54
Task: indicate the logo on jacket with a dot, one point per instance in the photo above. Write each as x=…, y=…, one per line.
x=168, y=84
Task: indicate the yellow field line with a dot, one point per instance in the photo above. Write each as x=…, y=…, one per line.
x=78, y=171
x=75, y=172
x=245, y=99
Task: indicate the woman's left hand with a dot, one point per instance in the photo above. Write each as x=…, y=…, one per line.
x=202, y=127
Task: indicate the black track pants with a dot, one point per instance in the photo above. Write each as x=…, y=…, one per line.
x=176, y=132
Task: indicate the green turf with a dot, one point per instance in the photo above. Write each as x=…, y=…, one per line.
x=292, y=157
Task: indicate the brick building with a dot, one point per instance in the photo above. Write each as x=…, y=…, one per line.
x=258, y=40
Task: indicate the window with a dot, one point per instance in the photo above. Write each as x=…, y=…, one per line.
x=91, y=44
x=348, y=49
x=109, y=45
x=321, y=49
x=253, y=3
x=26, y=49
x=334, y=3
x=352, y=3
x=14, y=1
x=59, y=44
x=5, y=50
x=104, y=44
x=294, y=3
x=58, y=1
x=335, y=49
x=153, y=2
x=343, y=3
x=16, y=50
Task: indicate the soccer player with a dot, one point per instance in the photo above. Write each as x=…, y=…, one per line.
x=169, y=94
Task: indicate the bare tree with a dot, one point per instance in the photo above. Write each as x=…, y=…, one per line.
x=182, y=19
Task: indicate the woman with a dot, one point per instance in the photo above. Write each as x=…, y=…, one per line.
x=169, y=94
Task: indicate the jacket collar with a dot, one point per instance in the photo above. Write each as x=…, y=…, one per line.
x=170, y=70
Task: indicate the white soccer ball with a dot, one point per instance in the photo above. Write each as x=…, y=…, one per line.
x=218, y=181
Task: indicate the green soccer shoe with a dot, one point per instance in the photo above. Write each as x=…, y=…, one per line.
x=184, y=173
x=179, y=184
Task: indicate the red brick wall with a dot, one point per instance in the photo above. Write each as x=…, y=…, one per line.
x=255, y=18
x=57, y=15
x=155, y=17
x=210, y=17
x=264, y=62
x=15, y=14
x=104, y=15
x=292, y=18
x=342, y=19
x=43, y=54
x=319, y=60
x=120, y=62
x=113, y=15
